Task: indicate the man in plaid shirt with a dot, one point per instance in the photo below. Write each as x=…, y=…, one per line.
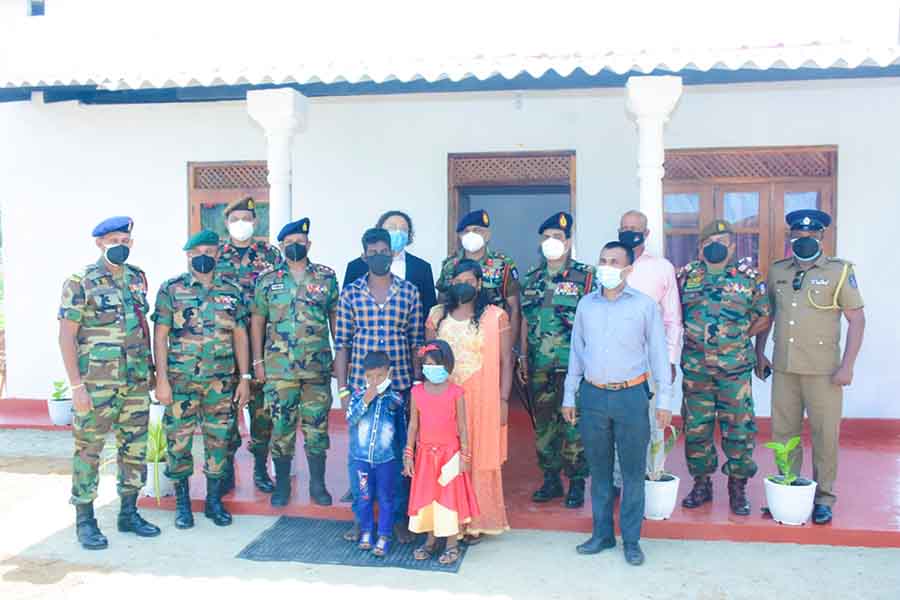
x=379, y=311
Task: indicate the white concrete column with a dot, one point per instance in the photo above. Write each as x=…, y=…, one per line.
x=650, y=100
x=281, y=112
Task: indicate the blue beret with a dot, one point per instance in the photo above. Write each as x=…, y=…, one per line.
x=123, y=224
x=301, y=226
x=202, y=238
x=808, y=220
x=561, y=220
x=476, y=217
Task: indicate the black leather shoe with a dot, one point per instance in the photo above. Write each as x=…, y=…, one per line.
x=575, y=497
x=131, y=522
x=737, y=496
x=215, y=510
x=595, y=546
x=184, y=518
x=821, y=514
x=228, y=478
x=634, y=556
x=282, y=493
x=261, y=472
x=89, y=535
x=317, y=490
x=551, y=489
x=700, y=494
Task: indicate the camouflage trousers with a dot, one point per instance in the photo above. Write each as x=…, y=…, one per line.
x=260, y=423
x=124, y=409
x=712, y=394
x=305, y=400
x=558, y=443
x=209, y=403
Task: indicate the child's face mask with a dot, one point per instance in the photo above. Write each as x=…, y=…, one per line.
x=435, y=373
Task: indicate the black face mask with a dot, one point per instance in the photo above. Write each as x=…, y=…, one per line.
x=632, y=239
x=715, y=253
x=462, y=293
x=806, y=248
x=379, y=265
x=117, y=255
x=295, y=252
x=203, y=263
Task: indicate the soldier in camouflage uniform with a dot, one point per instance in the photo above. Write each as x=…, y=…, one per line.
x=293, y=308
x=725, y=304
x=105, y=346
x=501, y=278
x=242, y=259
x=550, y=295
x=201, y=331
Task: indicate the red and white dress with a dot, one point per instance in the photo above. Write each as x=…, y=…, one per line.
x=434, y=507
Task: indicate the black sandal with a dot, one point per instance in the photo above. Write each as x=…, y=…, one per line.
x=449, y=556
x=472, y=540
x=425, y=551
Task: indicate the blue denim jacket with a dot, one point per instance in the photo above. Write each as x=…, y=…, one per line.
x=373, y=428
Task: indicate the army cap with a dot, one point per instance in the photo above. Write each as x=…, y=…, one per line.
x=561, y=220
x=807, y=220
x=202, y=238
x=113, y=224
x=715, y=228
x=301, y=226
x=476, y=217
x=247, y=203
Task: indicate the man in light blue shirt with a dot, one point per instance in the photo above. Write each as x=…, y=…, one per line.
x=618, y=340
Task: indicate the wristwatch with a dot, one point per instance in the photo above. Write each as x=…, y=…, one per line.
x=247, y=376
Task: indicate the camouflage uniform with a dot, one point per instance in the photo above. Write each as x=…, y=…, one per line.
x=501, y=278
x=548, y=304
x=245, y=270
x=115, y=366
x=718, y=358
x=297, y=352
x=200, y=367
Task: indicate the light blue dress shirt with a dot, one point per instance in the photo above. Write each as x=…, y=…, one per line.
x=614, y=341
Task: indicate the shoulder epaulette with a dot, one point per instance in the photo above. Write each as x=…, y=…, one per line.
x=686, y=269
x=783, y=260
x=840, y=261
x=265, y=273
x=323, y=270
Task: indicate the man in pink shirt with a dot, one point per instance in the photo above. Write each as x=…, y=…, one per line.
x=655, y=277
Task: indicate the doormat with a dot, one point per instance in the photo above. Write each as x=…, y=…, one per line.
x=319, y=542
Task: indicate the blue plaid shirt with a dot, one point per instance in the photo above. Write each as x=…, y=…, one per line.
x=396, y=327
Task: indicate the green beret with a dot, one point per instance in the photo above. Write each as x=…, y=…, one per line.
x=715, y=228
x=202, y=238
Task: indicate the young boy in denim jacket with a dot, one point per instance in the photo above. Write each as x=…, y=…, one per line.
x=373, y=453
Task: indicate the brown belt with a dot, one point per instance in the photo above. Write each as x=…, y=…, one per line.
x=624, y=385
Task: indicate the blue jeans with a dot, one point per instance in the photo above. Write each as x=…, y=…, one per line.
x=375, y=483
x=608, y=420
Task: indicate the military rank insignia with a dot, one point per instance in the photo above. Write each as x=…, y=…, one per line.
x=566, y=288
x=315, y=288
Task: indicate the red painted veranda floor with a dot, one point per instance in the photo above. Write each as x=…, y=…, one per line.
x=868, y=487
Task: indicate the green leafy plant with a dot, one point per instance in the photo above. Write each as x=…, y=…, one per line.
x=659, y=450
x=60, y=390
x=783, y=460
x=156, y=452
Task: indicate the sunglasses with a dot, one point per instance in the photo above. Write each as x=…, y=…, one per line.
x=798, y=280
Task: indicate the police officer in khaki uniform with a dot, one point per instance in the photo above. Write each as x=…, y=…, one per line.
x=809, y=292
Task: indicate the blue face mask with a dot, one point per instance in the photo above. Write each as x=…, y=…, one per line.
x=435, y=373
x=399, y=240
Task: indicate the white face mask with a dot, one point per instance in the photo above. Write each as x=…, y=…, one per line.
x=241, y=230
x=553, y=249
x=384, y=385
x=610, y=277
x=472, y=242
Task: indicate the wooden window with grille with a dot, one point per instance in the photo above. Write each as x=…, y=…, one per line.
x=214, y=185
x=752, y=189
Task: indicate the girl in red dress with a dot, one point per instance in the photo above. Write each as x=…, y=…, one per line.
x=441, y=497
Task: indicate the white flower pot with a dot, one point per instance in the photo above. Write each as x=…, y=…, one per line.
x=60, y=411
x=156, y=413
x=660, y=497
x=790, y=504
x=166, y=485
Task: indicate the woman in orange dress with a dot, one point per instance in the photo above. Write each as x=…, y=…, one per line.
x=479, y=335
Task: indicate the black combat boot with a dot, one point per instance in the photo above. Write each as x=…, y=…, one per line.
x=131, y=522
x=282, y=493
x=215, y=510
x=700, y=494
x=184, y=518
x=89, y=534
x=261, y=472
x=317, y=491
x=737, y=496
x=551, y=489
x=575, y=497
x=228, y=477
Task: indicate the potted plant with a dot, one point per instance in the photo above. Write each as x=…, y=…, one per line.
x=661, y=487
x=790, y=497
x=158, y=485
x=60, y=405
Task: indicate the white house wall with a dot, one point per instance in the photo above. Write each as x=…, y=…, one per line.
x=71, y=165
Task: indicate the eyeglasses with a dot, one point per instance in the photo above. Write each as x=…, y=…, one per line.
x=798, y=280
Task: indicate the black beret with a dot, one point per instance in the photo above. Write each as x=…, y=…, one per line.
x=476, y=217
x=301, y=226
x=561, y=220
x=247, y=203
